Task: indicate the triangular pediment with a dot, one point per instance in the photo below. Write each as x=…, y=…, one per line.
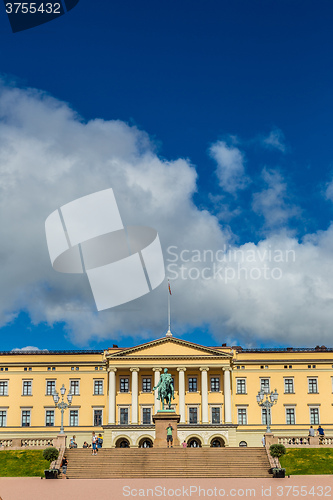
x=169, y=347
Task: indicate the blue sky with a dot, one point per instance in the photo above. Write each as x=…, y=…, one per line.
x=240, y=93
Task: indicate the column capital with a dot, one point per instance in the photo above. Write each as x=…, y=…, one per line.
x=181, y=369
x=112, y=369
x=134, y=369
x=226, y=368
x=204, y=369
x=157, y=369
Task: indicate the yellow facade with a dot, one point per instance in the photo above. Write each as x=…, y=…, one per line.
x=215, y=392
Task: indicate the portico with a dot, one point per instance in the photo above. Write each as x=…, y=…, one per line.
x=201, y=377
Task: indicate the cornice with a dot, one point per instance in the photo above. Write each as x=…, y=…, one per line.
x=171, y=340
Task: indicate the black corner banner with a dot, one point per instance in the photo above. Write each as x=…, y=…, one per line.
x=25, y=15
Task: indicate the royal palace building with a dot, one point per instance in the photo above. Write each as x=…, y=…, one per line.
x=216, y=392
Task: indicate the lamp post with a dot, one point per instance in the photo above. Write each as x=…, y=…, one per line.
x=266, y=399
x=62, y=405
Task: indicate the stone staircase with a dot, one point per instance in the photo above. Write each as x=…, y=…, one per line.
x=117, y=463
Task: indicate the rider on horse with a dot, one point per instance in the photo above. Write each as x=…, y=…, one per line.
x=165, y=388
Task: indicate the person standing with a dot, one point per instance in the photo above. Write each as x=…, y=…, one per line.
x=99, y=441
x=64, y=464
x=321, y=434
x=94, y=443
x=263, y=440
x=184, y=444
x=169, y=430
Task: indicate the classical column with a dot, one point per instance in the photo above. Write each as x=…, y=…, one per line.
x=157, y=402
x=204, y=395
x=227, y=396
x=182, y=371
x=135, y=395
x=112, y=395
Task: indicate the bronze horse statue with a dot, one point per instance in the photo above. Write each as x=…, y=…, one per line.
x=165, y=389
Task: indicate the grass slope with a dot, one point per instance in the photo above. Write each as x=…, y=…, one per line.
x=308, y=461
x=22, y=463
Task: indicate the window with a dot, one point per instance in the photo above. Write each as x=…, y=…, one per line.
x=290, y=416
x=314, y=416
x=73, y=418
x=289, y=385
x=146, y=416
x=216, y=415
x=27, y=387
x=3, y=418
x=98, y=387
x=193, y=412
x=264, y=416
x=242, y=416
x=146, y=385
x=51, y=368
x=124, y=385
x=49, y=418
x=75, y=368
x=214, y=384
x=98, y=418
x=241, y=386
x=123, y=416
x=264, y=384
x=313, y=386
x=50, y=387
x=75, y=387
x=2, y=369
x=192, y=384
x=27, y=369
x=25, y=418
x=3, y=387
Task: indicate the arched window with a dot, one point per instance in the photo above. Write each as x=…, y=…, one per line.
x=243, y=444
x=145, y=443
x=217, y=443
x=194, y=443
x=122, y=443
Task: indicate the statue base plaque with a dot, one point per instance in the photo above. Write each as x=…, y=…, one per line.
x=162, y=419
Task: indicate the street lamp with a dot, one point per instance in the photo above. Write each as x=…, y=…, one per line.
x=266, y=399
x=62, y=405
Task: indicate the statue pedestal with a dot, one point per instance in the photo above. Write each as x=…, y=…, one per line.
x=162, y=419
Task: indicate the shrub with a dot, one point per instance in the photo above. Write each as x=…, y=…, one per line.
x=50, y=454
x=277, y=450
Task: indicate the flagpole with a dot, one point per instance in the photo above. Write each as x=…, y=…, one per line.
x=169, y=315
x=169, y=334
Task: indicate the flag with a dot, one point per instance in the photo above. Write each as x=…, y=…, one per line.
x=169, y=288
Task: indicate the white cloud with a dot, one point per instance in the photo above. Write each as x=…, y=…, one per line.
x=49, y=156
x=272, y=203
x=230, y=167
x=28, y=348
x=275, y=140
x=329, y=190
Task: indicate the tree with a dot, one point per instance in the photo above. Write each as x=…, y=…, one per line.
x=50, y=454
x=277, y=450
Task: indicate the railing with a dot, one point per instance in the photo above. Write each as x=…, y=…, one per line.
x=5, y=443
x=300, y=441
x=294, y=441
x=56, y=464
x=36, y=443
x=33, y=443
x=273, y=462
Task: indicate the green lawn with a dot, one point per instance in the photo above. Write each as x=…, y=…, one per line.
x=308, y=461
x=22, y=463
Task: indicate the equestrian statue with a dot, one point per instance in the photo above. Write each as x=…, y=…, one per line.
x=165, y=389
